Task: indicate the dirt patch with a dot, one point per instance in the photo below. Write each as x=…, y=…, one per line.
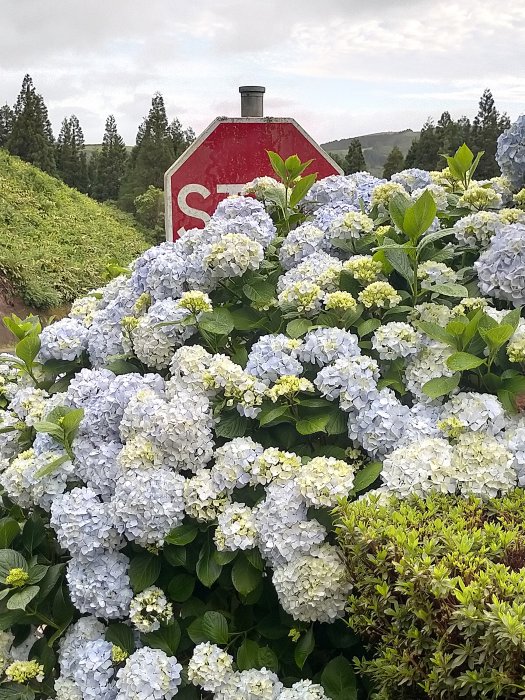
x=11, y=303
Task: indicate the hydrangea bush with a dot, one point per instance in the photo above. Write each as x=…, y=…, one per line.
x=171, y=453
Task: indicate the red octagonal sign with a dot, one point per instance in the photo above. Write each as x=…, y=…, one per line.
x=228, y=154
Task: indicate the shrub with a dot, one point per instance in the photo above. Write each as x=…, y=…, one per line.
x=186, y=431
x=438, y=593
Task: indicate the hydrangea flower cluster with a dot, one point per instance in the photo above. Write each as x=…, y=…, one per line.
x=234, y=386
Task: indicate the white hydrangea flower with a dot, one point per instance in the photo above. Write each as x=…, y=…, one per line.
x=303, y=241
x=63, y=340
x=274, y=465
x=111, y=595
x=484, y=466
x=233, y=463
x=83, y=524
x=323, y=480
x=432, y=273
x=136, y=491
x=514, y=440
x=439, y=195
x=318, y=269
x=325, y=345
x=9, y=446
x=352, y=380
x=255, y=684
x=240, y=388
x=233, y=255
x=427, y=364
x=477, y=230
x=313, y=587
x=420, y=467
x=203, y=499
x=235, y=529
x=412, y=179
x=149, y=674
x=478, y=412
x=94, y=672
x=305, y=296
x=67, y=689
x=209, y=666
x=84, y=309
x=396, y=339
x=86, y=629
x=187, y=368
x=304, y=690
x=150, y=609
x=29, y=404
x=432, y=313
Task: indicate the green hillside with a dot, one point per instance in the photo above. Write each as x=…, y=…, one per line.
x=376, y=147
x=55, y=243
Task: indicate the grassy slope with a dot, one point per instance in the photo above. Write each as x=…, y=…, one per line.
x=376, y=147
x=55, y=243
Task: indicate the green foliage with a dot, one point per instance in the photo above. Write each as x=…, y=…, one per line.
x=110, y=164
x=354, y=160
x=55, y=243
x=70, y=155
x=394, y=163
x=149, y=210
x=439, y=593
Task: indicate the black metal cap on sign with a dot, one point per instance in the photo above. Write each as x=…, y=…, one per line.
x=252, y=100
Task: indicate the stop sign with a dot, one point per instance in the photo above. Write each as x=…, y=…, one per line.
x=228, y=154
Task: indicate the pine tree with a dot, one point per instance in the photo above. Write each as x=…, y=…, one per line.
x=6, y=124
x=354, y=159
x=486, y=127
x=71, y=155
x=151, y=156
x=180, y=138
x=394, y=163
x=424, y=152
x=93, y=161
x=31, y=135
x=111, y=163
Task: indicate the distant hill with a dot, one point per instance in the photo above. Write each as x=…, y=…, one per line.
x=376, y=147
x=56, y=243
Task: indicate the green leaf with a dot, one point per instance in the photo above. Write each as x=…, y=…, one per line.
x=34, y=533
x=49, y=428
x=512, y=318
x=337, y=423
x=10, y=559
x=219, y=321
x=278, y=165
x=272, y=413
x=182, y=534
x=121, y=635
x=71, y=422
x=166, y=638
x=144, y=570
x=255, y=558
x=248, y=655
x=338, y=679
x=497, y=336
x=436, y=332
x=176, y=556
x=245, y=577
x=9, y=529
x=37, y=573
x=27, y=349
x=432, y=238
x=449, y=289
x=399, y=261
x=121, y=367
x=181, y=587
x=259, y=291
x=439, y=386
x=461, y=361
x=17, y=692
x=313, y=424
x=52, y=466
x=463, y=158
x=208, y=570
x=368, y=326
x=304, y=647
x=397, y=208
x=419, y=216
x=50, y=580
x=301, y=188
x=20, y=599
x=298, y=327
x=231, y=425
x=246, y=318
x=365, y=477
x=268, y=659
x=215, y=627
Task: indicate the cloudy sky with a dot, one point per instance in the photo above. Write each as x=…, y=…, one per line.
x=340, y=67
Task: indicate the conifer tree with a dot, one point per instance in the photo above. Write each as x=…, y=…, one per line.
x=394, y=162
x=486, y=127
x=180, y=138
x=6, y=124
x=424, y=152
x=31, y=135
x=92, y=166
x=354, y=159
x=151, y=156
x=110, y=162
x=71, y=155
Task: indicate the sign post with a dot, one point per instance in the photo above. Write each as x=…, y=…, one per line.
x=228, y=154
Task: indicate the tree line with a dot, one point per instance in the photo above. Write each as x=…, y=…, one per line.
x=444, y=137
x=108, y=173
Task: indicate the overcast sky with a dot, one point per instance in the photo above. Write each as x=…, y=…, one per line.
x=340, y=67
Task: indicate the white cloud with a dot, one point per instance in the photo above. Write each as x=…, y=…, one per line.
x=341, y=67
